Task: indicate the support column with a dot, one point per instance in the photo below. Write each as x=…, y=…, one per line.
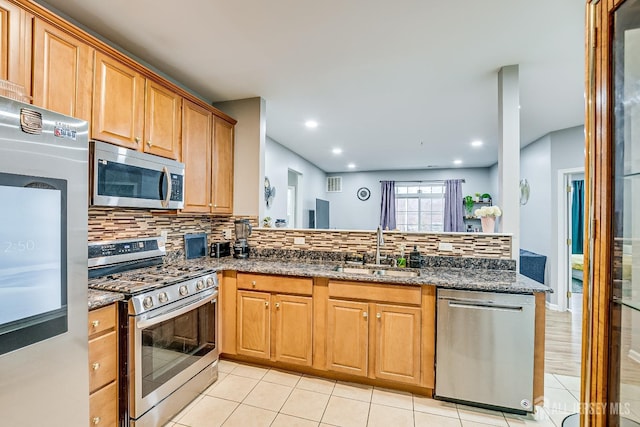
x=249, y=148
x=509, y=154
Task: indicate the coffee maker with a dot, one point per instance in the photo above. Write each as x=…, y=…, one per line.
x=243, y=231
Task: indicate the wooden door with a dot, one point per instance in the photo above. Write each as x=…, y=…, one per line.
x=118, y=103
x=222, y=167
x=253, y=324
x=62, y=71
x=162, y=121
x=294, y=325
x=196, y=155
x=397, y=343
x=15, y=45
x=347, y=336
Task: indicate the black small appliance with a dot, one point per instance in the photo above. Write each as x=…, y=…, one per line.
x=220, y=249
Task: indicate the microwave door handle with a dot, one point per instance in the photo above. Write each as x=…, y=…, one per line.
x=167, y=175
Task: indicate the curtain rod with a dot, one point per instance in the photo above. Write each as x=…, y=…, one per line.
x=427, y=180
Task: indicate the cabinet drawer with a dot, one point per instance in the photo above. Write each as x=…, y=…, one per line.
x=268, y=283
x=102, y=361
x=103, y=407
x=374, y=292
x=102, y=319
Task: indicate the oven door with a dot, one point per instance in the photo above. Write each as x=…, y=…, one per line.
x=169, y=348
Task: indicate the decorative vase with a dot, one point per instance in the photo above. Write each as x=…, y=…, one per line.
x=488, y=224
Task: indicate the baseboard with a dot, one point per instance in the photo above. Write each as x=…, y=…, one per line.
x=554, y=307
x=634, y=355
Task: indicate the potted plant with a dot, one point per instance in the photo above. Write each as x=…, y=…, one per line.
x=477, y=197
x=468, y=205
x=486, y=197
x=266, y=222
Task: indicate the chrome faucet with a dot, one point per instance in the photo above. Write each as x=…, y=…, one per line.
x=379, y=242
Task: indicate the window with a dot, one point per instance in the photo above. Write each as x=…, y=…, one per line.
x=420, y=207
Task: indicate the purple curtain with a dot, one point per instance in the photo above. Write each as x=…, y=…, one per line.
x=453, y=209
x=388, y=205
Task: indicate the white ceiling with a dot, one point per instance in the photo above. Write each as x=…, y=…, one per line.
x=403, y=84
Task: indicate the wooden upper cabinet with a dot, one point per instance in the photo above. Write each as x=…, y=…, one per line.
x=118, y=103
x=222, y=167
x=15, y=45
x=162, y=121
x=397, y=343
x=196, y=155
x=62, y=71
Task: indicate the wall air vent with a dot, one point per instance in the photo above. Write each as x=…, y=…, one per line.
x=334, y=184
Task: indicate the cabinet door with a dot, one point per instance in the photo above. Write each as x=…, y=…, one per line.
x=62, y=72
x=347, y=337
x=253, y=324
x=162, y=121
x=196, y=155
x=222, y=167
x=397, y=343
x=15, y=45
x=293, y=338
x=118, y=103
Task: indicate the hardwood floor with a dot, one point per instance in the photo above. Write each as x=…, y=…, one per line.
x=563, y=340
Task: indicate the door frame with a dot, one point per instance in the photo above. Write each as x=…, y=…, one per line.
x=564, y=266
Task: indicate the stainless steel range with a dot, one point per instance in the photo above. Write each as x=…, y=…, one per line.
x=168, y=327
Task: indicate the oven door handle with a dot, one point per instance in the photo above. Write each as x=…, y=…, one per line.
x=145, y=323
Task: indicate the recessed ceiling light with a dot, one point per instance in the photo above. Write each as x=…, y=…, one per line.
x=351, y=165
x=337, y=151
x=457, y=162
x=476, y=143
x=311, y=124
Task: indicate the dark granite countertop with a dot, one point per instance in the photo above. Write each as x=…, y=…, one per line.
x=443, y=277
x=99, y=299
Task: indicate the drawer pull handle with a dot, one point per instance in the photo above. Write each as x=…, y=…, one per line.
x=95, y=323
x=253, y=283
x=95, y=366
x=365, y=315
x=96, y=420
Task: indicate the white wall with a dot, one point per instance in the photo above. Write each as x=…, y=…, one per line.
x=311, y=181
x=350, y=213
x=248, y=164
x=540, y=162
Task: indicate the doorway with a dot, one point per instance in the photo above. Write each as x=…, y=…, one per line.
x=294, y=199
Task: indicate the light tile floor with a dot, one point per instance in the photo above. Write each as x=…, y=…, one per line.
x=249, y=396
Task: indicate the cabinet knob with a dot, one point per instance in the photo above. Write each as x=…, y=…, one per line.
x=95, y=323
x=215, y=206
x=95, y=420
x=365, y=315
x=378, y=316
x=253, y=283
x=95, y=366
x=137, y=139
x=149, y=144
x=277, y=305
x=266, y=303
x=210, y=204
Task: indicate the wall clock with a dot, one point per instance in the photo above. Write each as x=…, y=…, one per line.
x=363, y=193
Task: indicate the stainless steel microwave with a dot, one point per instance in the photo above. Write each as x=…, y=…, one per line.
x=128, y=178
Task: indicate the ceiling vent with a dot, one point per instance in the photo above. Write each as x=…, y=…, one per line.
x=334, y=184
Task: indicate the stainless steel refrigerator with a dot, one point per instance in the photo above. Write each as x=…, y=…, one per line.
x=43, y=268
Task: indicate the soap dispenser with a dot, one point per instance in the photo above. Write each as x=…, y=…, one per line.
x=414, y=258
x=402, y=261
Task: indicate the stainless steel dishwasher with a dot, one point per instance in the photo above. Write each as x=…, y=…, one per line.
x=484, y=349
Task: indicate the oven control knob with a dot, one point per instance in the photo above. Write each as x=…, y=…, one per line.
x=200, y=285
x=147, y=302
x=183, y=290
x=210, y=281
x=163, y=297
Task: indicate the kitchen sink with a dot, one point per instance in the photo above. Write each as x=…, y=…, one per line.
x=376, y=272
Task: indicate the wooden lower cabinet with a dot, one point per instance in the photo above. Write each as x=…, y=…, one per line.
x=348, y=337
x=103, y=367
x=397, y=346
x=275, y=326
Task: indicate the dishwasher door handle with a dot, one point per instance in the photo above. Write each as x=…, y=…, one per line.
x=486, y=306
